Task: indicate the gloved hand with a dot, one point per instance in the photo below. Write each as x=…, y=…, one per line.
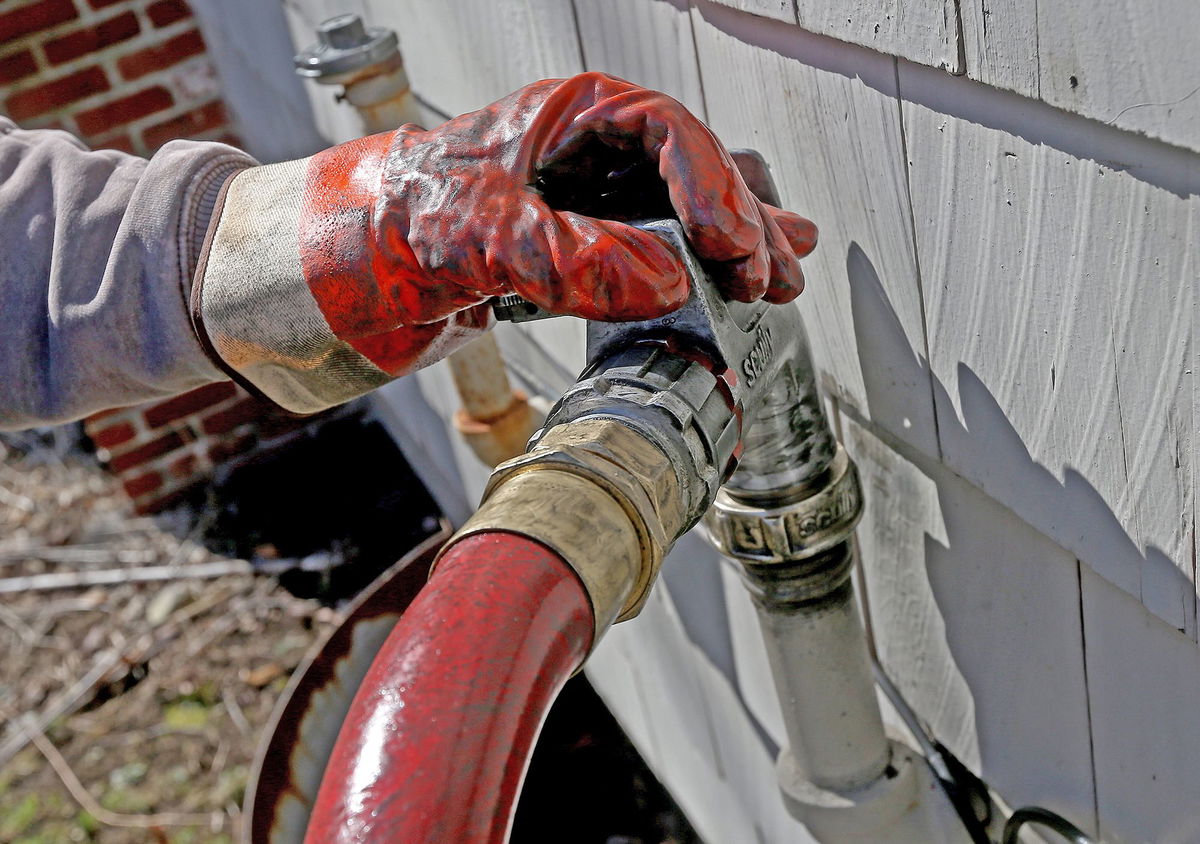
x=326, y=277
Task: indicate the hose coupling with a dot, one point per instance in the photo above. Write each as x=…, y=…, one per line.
x=601, y=495
x=801, y=538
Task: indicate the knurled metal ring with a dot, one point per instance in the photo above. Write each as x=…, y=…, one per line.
x=792, y=531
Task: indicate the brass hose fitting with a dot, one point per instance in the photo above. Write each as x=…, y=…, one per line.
x=601, y=495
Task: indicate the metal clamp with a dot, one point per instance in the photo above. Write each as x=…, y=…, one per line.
x=787, y=532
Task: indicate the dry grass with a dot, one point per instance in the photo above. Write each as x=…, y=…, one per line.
x=128, y=712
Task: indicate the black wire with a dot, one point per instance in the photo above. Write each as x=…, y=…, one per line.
x=959, y=784
x=1046, y=818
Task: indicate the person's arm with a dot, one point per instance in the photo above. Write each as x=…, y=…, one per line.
x=97, y=252
x=323, y=278
x=326, y=277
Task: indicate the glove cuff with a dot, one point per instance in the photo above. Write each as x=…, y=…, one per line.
x=252, y=307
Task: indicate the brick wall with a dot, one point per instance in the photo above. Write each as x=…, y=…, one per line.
x=165, y=451
x=132, y=75
x=121, y=74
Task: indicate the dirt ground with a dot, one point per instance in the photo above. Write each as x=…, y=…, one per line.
x=128, y=712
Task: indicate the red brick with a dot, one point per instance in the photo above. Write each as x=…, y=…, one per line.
x=149, y=451
x=143, y=484
x=50, y=96
x=184, y=467
x=125, y=110
x=188, y=403
x=227, y=449
x=17, y=66
x=113, y=435
x=103, y=4
x=33, y=17
x=172, y=51
x=92, y=38
x=224, y=421
x=197, y=120
x=168, y=11
x=122, y=142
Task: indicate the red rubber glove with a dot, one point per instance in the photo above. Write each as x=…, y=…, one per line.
x=326, y=277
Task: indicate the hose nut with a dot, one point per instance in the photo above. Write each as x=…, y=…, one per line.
x=612, y=510
x=675, y=403
x=766, y=534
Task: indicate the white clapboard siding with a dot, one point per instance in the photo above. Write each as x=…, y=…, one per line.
x=648, y=42
x=334, y=121
x=253, y=41
x=690, y=727
x=976, y=619
x=465, y=54
x=825, y=116
x=1144, y=680
x=1000, y=45
x=1059, y=301
x=1130, y=63
x=926, y=32
x=780, y=10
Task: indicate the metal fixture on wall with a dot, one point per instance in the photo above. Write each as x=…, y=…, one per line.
x=366, y=63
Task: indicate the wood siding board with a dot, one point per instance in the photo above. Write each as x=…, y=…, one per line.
x=692, y=738
x=648, y=42
x=780, y=10
x=825, y=116
x=976, y=619
x=1193, y=272
x=1143, y=677
x=926, y=33
x=1034, y=263
x=1124, y=62
x=1000, y=44
x=471, y=52
x=1149, y=267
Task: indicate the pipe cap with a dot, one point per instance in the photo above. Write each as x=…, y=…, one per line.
x=346, y=45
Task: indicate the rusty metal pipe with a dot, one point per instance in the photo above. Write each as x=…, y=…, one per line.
x=495, y=420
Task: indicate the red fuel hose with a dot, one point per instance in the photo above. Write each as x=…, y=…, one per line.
x=436, y=743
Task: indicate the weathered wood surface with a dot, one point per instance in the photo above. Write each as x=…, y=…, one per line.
x=1121, y=62
x=467, y=53
x=780, y=10
x=648, y=42
x=701, y=745
x=976, y=618
x=1000, y=44
x=1124, y=63
x=1059, y=297
x=926, y=33
x=827, y=120
x=1128, y=63
x=1143, y=681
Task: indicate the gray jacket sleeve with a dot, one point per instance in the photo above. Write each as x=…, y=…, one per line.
x=97, y=251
